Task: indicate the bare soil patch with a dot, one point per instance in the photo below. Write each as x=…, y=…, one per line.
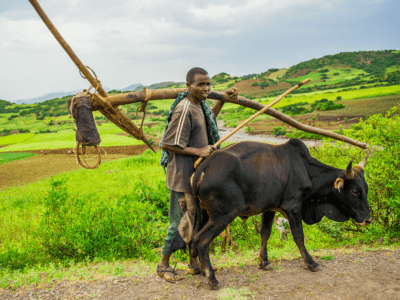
x=52, y=162
x=333, y=119
x=360, y=275
x=245, y=87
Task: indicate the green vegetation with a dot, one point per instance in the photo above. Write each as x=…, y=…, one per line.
x=7, y=157
x=325, y=104
x=373, y=62
x=383, y=173
x=66, y=220
x=279, y=130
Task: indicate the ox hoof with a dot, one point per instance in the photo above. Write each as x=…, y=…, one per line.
x=214, y=284
x=268, y=267
x=315, y=268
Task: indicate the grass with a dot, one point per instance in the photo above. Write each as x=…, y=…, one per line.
x=64, y=139
x=15, y=138
x=21, y=210
x=343, y=75
x=45, y=275
x=332, y=95
x=7, y=157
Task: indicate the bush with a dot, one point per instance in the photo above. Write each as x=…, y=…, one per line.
x=249, y=128
x=85, y=227
x=325, y=104
x=382, y=171
x=279, y=130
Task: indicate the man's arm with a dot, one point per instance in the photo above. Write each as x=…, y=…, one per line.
x=202, y=152
x=217, y=107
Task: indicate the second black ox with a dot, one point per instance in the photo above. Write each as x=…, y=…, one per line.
x=251, y=178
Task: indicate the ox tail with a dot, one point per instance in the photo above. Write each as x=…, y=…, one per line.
x=195, y=181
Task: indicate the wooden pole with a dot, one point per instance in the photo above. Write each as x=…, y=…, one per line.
x=285, y=118
x=198, y=161
x=110, y=112
x=162, y=94
x=93, y=81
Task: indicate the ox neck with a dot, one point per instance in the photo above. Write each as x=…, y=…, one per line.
x=322, y=177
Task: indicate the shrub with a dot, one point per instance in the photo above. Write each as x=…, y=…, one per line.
x=382, y=171
x=325, y=104
x=279, y=130
x=85, y=227
x=249, y=128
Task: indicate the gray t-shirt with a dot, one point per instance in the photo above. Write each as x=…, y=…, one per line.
x=187, y=129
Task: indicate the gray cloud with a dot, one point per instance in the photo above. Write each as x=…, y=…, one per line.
x=127, y=42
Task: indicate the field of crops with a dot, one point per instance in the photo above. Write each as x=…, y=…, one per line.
x=7, y=157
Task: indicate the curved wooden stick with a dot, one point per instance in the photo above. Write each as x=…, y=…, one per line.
x=198, y=161
x=286, y=119
x=110, y=112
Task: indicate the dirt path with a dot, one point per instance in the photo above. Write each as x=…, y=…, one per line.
x=360, y=275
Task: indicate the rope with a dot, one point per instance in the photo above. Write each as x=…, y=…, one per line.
x=142, y=107
x=233, y=93
x=84, y=163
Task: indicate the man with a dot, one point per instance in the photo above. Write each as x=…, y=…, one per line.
x=191, y=131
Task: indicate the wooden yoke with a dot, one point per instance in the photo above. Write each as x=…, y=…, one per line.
x=198, y=161
x=162, y=94
x=112, y=113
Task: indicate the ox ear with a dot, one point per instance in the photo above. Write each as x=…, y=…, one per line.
x=314, y=210
x=339, y=184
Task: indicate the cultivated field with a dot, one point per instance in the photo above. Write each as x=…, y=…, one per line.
x=68, y=233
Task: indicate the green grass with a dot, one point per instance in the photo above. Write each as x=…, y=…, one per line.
x=343, y=75
x=22, y=208
x=64, y=139
x=7, y=157
x=15, y=138
x=392, y=69
x=332, y=95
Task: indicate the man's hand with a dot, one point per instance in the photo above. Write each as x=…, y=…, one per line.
x=202, y=152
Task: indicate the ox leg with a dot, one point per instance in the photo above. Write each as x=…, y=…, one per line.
x=266, y=229
x=296, y=228
x=203, y=239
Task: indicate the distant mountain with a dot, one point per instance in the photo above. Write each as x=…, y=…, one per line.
x=46, y=97
x=132, y=87
x=159, y=85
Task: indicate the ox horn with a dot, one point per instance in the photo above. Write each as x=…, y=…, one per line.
x=349, y=173
x=363, y=162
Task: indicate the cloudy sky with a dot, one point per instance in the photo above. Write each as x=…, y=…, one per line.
x=132, y=41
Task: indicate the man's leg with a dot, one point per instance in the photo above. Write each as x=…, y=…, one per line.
x=172, y=241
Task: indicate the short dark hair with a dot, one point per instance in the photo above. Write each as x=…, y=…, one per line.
x=193, y=72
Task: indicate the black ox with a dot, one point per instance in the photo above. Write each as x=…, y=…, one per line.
x=251, y=178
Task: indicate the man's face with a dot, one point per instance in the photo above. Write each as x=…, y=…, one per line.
x=200, y=87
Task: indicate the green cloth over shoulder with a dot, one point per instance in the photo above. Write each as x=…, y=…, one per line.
x=211, y=123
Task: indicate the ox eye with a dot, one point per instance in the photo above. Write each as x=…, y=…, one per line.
x=355, y=193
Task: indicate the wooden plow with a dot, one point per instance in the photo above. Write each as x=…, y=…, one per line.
x=108, y=105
